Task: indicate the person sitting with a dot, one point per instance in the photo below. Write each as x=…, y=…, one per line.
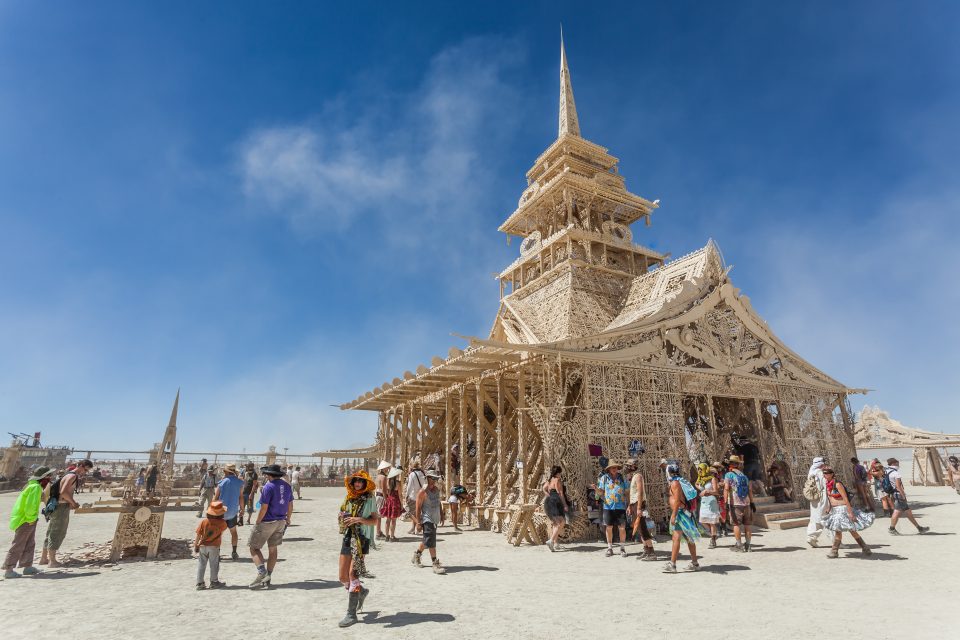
x=777, y=486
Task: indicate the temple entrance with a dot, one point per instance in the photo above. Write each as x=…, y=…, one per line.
x=737, y=432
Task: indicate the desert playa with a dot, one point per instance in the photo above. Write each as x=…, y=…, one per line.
x=494, y=590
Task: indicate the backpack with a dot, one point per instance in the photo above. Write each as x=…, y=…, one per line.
x=886, y=485
x=54, y=494
x=811, y=489
x=743, y=485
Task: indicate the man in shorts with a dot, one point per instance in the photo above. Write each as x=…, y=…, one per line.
x=228, y=492
x=276, y=506
x=427, y=513
x=614, y=491
x=900, y=504
x=251, y=482
x=739, y=495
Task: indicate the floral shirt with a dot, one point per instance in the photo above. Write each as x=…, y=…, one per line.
x=614, y=491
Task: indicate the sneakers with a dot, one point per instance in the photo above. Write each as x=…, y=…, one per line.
x=261, y=581
x=609, y=552
x=812, y=542
x=670, y=568
x=713, y=543
x=920, y=530
x=9, y=574
x=693, y=566
x=216, y=584
x=648, y=554
x=737, y=548
x=416, y=559
x=201, y=586
x=439, y=570
x=31, y=571
x=893, y=531
x=623, y=552
x=746, y=547
x=550, y=546
x=235, y=555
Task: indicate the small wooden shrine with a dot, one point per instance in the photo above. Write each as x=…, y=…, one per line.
x=602, y=341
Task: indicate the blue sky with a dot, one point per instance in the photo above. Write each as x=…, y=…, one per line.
x=279, y=207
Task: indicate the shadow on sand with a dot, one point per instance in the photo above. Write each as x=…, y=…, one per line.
x=61, y=575
x=721, y=569
x=298, y=539
x=405, y=618
x=471, y=568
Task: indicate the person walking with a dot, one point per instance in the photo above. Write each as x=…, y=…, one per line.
x=392, y=507
x=228, y=492
x=296, y=476
x=900, y=505
x=276, y=507
x=58, y=508
x=614, y=490
x=555, y=505
x=206, y=544
x=637, y=510
x=720, y=471
x=877, y=473
x=23, y=522
x=208, y=485
x=251, y=482
x=682, y=523
x=740, y=505
x=860, y=484
x=815, y=490
x=152, y=474
x=709, y=505
x=381, y=492
x=416, y=481
x=140, y=481
x=842, y=515
x=357, y=519
x=427, y=514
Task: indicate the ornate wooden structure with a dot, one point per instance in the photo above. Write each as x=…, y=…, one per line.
x=598, y=340
x=875, y=429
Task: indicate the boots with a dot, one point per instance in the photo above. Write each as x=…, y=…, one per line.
x=865, y=550
x=834, y=550
x=437, y=568
x=352, y=604
x=416, y=559
x=364, y=592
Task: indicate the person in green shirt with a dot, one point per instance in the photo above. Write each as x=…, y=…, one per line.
x=23, y=521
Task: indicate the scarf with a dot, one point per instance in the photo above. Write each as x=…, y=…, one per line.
x=832, y=489
x=816, y=466
x=704, y=475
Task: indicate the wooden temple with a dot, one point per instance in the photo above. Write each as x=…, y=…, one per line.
x=601, y=341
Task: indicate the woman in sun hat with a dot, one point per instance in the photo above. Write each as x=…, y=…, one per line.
x=358, y=518
x=23, y=521
x=392, y=507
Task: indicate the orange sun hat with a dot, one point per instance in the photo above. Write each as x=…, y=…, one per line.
x=348, y=483
x=216, y=508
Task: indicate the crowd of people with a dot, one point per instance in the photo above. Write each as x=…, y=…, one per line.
x=715, y=500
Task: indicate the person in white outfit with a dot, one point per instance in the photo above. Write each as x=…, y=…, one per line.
x=815, y=526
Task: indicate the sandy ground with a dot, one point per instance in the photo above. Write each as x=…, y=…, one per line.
x=494, y=590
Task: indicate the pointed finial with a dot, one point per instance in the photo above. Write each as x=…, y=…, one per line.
x=173, y=414
x=569, y=124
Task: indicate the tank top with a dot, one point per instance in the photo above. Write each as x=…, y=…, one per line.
x=430, y=511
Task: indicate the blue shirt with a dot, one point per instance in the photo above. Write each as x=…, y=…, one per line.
x=614, y=492
x=230, y=488
x=277, y=495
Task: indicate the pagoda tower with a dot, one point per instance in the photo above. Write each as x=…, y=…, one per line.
x=577, y=257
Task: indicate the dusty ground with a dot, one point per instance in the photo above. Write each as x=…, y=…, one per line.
x=493, y=590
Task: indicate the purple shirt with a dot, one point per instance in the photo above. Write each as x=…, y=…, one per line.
x=277, y=495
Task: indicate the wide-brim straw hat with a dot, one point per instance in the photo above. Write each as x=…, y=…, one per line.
x=383, y=465
x=363, y=475
x=433, y=473
x=632, y=462
x=611, y=464
x=42, y=472
x=394, y=473
x=230, y=468
x=216, y=508
x=736, y=460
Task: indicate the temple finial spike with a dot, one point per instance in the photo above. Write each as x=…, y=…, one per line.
x=569, y=123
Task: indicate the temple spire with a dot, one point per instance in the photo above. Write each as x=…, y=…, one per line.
x=173, y=414
x=569, y=124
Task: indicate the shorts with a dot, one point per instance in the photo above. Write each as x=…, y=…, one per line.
x=615, y=517
x=345, y=549
x=269, y=533
x=453, y=500
x=232, y=522
x=742, y=515
x=429, y=535
x=900, y=502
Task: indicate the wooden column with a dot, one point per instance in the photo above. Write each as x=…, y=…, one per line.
x=447, y=426
x=480, y=439
x=464, y=457
x=523, y=452
x=404, y=439
x=502, y=458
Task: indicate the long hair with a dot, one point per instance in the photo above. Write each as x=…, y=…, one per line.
x=555, y=471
